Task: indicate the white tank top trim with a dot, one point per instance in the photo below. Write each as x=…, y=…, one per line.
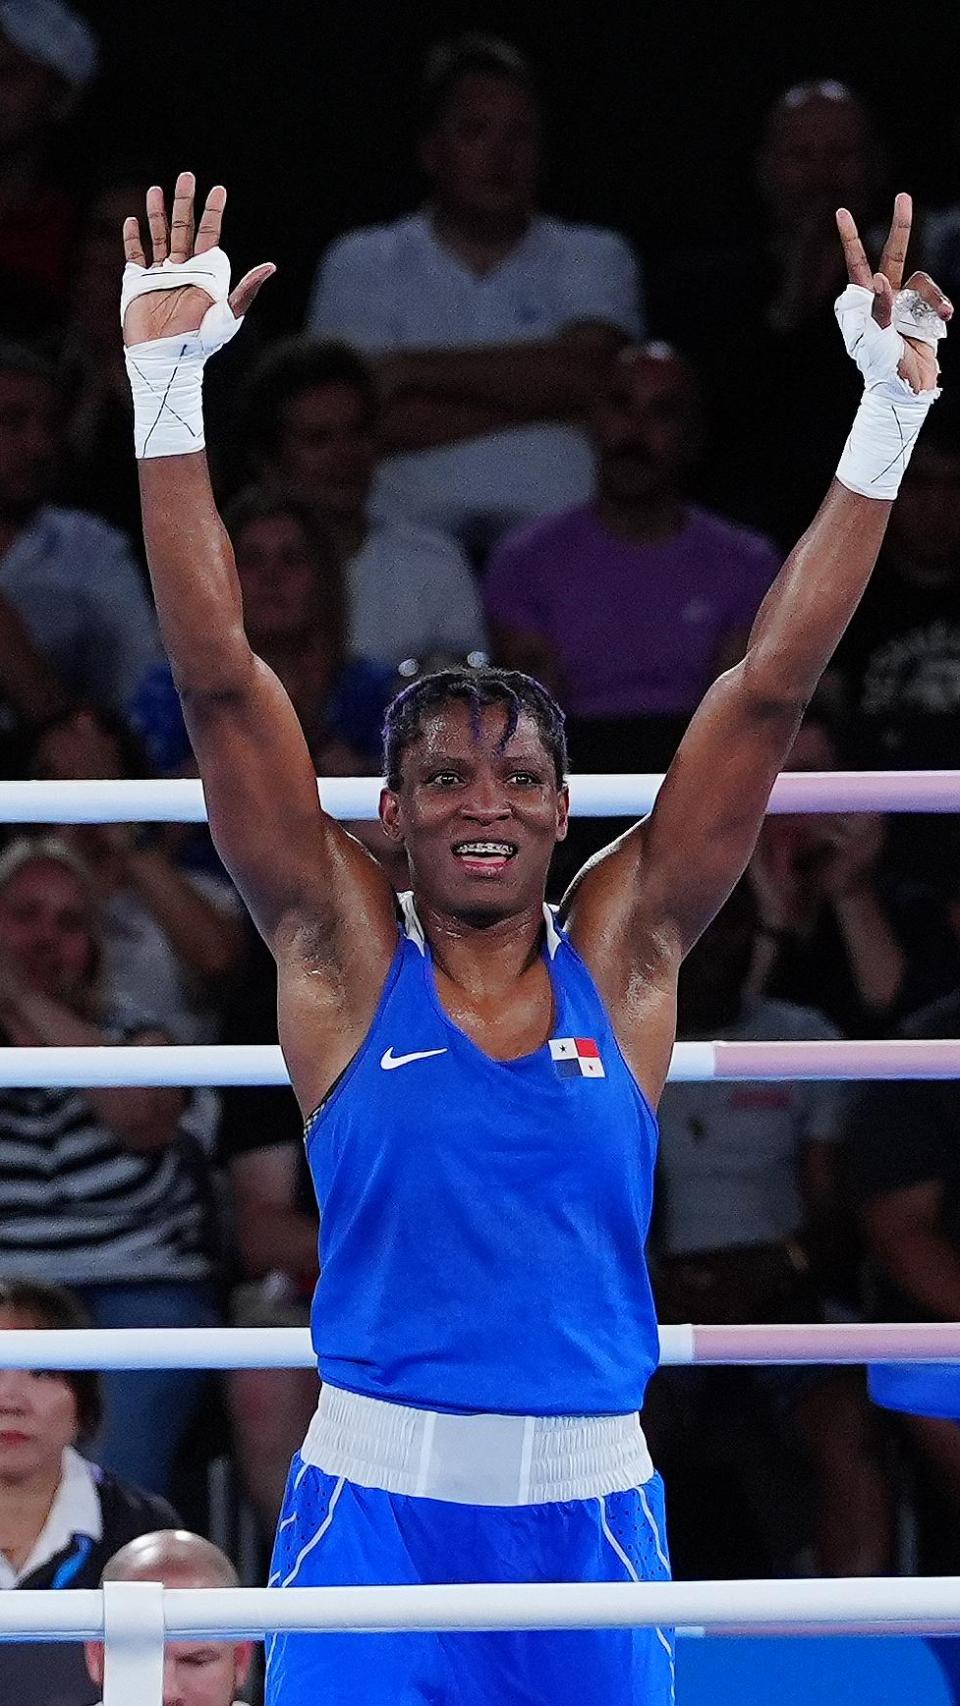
x=413, y=929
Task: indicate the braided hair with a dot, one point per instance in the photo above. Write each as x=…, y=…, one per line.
x=520, y=694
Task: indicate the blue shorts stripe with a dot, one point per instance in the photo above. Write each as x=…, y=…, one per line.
x=665, y=1640
x=661, y=1554
x=315, y=1541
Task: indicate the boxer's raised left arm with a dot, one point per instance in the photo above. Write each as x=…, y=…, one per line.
x=652, y=893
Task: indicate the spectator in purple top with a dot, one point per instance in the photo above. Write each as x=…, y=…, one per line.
x=629, y=606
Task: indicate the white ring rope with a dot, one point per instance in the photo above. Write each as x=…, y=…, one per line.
x=180, y=800
x=929, y=1605
x=846, y=1342
x=191, y=1065
x=924, y=1604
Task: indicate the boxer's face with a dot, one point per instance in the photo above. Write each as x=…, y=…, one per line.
x=479, y=815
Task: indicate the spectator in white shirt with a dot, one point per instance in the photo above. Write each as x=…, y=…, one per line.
x=312, y=428
x=72, y=577
x=491, y=320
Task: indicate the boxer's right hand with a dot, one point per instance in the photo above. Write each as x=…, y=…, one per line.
x=166, y=313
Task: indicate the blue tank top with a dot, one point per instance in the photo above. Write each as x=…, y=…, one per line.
x=483, y=1222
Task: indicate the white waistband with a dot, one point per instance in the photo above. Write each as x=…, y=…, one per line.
x=476, y=1459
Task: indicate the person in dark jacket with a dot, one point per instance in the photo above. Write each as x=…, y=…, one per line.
x=61, y=1517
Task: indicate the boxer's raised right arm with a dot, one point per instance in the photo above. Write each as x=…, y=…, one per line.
x=303, y=878
x=289, y=859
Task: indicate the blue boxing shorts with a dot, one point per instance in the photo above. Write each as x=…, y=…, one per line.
x=336, y=1533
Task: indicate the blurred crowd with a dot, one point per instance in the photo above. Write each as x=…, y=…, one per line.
x=495, y=435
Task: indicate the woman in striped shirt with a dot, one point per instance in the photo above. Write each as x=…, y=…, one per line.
x=103, y=1190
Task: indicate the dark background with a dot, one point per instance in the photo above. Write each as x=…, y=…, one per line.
x=306, y=112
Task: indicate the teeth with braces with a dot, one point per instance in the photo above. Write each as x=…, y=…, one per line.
x=503, y=847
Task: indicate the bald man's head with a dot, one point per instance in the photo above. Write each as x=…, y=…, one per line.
x=195, y=1673
x=820, y=151
x=171, y=1552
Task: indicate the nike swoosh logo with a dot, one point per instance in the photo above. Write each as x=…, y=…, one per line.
x=390, y=1060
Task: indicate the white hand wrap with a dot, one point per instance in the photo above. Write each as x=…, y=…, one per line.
x=890, y=415
x=915, y=318
x=166, y=374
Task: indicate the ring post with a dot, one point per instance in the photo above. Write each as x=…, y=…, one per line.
x=133, y=1632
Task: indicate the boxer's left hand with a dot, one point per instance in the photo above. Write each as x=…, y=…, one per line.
x=918, y=363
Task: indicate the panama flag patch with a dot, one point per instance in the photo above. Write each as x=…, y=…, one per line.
x=576, y=1057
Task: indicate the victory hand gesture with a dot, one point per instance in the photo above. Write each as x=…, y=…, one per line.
x=918, y=301
x=166, y=312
